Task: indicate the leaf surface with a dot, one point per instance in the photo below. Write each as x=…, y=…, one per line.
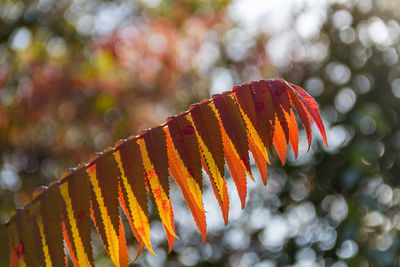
x=155, y=161
x=51, y=207
x=103, y=174
x=76, y=196
x=133, y=189
x=190, y=188
x=303, y=115
x=257, y=145
x=208, y=133
x=265, y=111
x=234, y=127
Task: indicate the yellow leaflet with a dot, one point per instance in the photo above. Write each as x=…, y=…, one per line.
x=139, y=217
x=193, y=185
x=112, y=238
x=194, y=188
x=221, y=126
x=228, y=143
x=212, y=166
x=83, y=259
x=44, y=243
x=255, y=136
x=162, y=201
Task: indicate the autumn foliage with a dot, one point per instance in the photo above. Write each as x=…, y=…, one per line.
x=257, y=117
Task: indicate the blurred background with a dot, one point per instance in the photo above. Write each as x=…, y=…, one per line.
x=77, y=75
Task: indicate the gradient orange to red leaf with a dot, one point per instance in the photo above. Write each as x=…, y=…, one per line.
x=257, y=117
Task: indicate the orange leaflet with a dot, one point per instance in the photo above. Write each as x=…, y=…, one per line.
x=70, y=243
x=155, y=161
x=190, y=189
x=208, y=135
x=170, y=237
x=293, y=133
x=280, y=141
x=139, y=250
x=235, y=167
x=123, y=250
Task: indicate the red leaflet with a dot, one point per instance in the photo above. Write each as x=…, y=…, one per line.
x=256, y=135
x=303, y=114
x=234, y=126
x=207, y=127
x=153, y=148
x=265, y=110
x=312, y=108
x=208, y=134
x=183, y=135
x=281, y=102
x=244, y=97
